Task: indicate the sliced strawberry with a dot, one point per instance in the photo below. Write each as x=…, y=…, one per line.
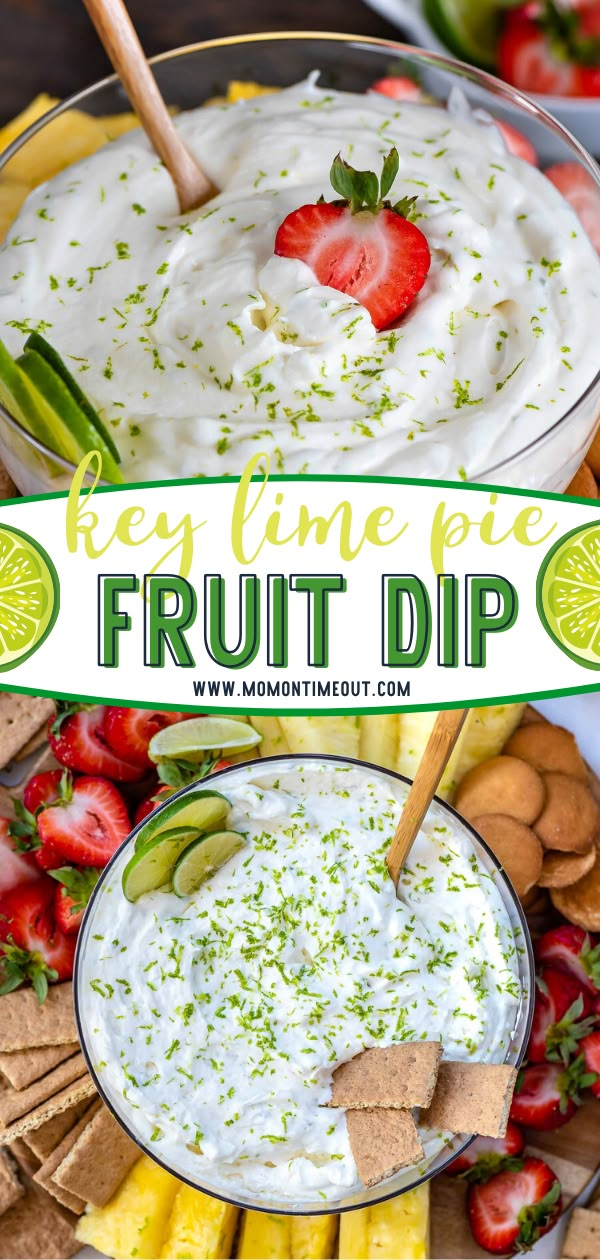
x=42, y=789
x=398, y=87
x=72, y=895
x=362, y=245
x=581, y=192
x=77, y=740
x=550, y=49
x=16, y=867
x=512, y=1210
x=547, y=1095
x=31, y=946
x=572, y=950
x=87, y=826
x=516, y=142
x=487, y=1156
x=590, y=1047
x=129, y=731
x=560, y=1017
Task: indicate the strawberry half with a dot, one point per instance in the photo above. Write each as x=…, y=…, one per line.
x=398, y=87
x=572, y=950
x=560, y=1017
x=86, y=826
x=78, y=741
x=150, y=803
x=16, y=867
x=547, y=1095
x=129, y=731
x=590, y=1047
x=516, y=142
x=551, y=48
x=361, y=245
x=487, y=1156
x=31, y=946
x=72, y=895
x=512, y=1210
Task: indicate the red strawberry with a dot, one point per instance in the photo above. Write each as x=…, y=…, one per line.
x=547, y=1095
x=487, y=1156
x=559, y=1023
x=32, y=946
x=87, y=825
x=572, y=950
x=77, y=740
x=399, y=87
x=591, y=1052
x=516, y=142
x=150, y=803
x=512, y=1210
x=129, y=731
x=16, y=866
x=583, y=194
x=361, y=245
x=72, y=895
x=42, y=789
x=550, y=48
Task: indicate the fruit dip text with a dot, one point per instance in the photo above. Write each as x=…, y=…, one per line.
x=200, y=347
x=215, y=1022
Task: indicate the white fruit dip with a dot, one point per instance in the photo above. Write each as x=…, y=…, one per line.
x=200, y=347
x=215, y=1022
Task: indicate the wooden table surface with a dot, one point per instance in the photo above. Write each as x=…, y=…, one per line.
x=49, y=45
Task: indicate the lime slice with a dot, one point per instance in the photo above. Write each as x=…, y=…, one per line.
x=198, y=809
x=29, y=596
x=191, y=740
x=568, y=594
x=469, y=28
x=65, y=413
x=202, y=858
x=153, y=866
x=52, y=357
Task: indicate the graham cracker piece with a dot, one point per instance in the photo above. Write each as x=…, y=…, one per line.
x=582, y=1239
x=27, y=1161
x=49, y=1133
x=80, y=1089
x=37, y=741
x=471, y=1098
x=382, y=1141
x=20, y=718
x=19, y=1102
x=23, y=1067
x=37, y=1228
x=391, y=1076
x=25, y=1022
x=45, y=1174
x=98, y=1161
x=10, y=1186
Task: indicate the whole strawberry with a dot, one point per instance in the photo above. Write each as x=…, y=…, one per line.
x=560, y=1017
x=129, y=731
x=72, y=895
x=515, y=1208
x=32, y=947
x=361, y=245
x=547, y=1095
x=572, y=950
x=487, y=1156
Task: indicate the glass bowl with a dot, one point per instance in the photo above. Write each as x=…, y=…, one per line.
x=405, y=1180
x=188, y=76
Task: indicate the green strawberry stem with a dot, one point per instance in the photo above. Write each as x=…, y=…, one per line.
x=362, y=190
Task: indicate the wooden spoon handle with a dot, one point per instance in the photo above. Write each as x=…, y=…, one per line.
x=116, y=31
x=441, y=742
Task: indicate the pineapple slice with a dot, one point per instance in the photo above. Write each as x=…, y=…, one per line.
x=379, y=739
x=268, y=1237
x=12, y=196
x=38, y=107
x=134, y=1222
x=484, y=734
x=245, y=90
x=200, y=1227
x=313, y=1237
x=115, y=125
x=273, y=738
x=337, y=735
x=68, y=138
x=399, y=1227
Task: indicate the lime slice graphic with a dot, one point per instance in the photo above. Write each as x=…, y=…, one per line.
x=568, y=594
x=29, y=596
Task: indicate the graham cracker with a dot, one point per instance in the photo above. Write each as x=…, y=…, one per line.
x=10, y=1186
x=98, y=1161
x=44, y=1174
x=20, y=718
x=37, y=1228
x=27, y=1023
x=27, y=1161
x=37, y=741
x=18, y=1102
x=49, y=1133
x=382, y=1141
x=471, y=1098
x=391, y=1076
x=582, y=1239
x=74, y=1093
x=23, y=1067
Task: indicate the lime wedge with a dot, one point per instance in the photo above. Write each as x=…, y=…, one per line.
x=568, y=594
x=38, y=343
x=191, y=740
x=153, y=866
x=63, y=412
x=29, y=596
x=202, y=858
x=198, y=809
x=469, y=28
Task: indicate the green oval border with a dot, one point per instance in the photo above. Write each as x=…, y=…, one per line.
x=11, y=529
x=557, y=546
